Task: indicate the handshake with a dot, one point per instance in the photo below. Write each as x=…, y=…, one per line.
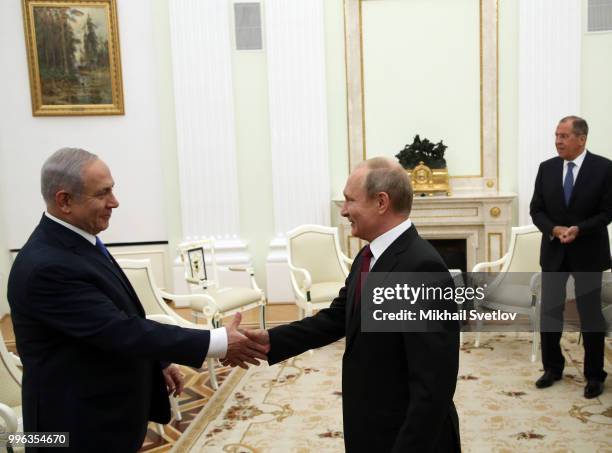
x=245, y=346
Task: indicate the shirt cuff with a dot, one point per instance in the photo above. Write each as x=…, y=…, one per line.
x=217, y=349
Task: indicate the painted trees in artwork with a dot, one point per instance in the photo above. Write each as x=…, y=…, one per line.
x=73, y=56
x=95, y=50
x=56, y=42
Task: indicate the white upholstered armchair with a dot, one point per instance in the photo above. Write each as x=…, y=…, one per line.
x=317, y=266
x=140, y=274
x=516, y=288
x=10, y=394
x=202, y=272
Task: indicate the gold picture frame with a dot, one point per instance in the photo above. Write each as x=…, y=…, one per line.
x=73, y=57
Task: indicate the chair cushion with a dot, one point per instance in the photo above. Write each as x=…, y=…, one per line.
x=229, y=298
x=510, y=297
x=325, y=291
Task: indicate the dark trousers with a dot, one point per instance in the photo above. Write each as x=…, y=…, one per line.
x=592, y=322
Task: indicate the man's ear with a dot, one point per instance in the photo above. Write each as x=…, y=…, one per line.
x=383, y=202
x=63, y=200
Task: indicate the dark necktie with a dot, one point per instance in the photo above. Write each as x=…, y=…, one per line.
x=568, y=182
x=366, y=258
x=100, y=246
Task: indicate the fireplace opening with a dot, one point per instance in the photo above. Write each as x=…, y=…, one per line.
x=452, y=251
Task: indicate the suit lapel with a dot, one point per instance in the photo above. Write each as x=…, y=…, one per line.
x=581, y=180
x=80, y=246
x=386, y=263
x=92, y=253
x=557, y=177
x=351, y=317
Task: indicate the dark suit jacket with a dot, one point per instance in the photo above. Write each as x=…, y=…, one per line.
x=590, y=208
x=397, y=388
x=91, y=361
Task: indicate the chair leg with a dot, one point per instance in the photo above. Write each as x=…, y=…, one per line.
x=175, y=408
x=262, y=317
x=534, y=345
x=535, y=338
x=211, y=372
x=478, y=329
x=196, y=316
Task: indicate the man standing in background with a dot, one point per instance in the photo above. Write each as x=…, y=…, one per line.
x=572, y=207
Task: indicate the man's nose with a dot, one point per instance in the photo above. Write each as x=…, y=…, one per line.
x=113, y=202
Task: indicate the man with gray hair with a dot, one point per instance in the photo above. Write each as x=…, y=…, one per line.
x=397, y=387
x=93, y=365
x=572, y=207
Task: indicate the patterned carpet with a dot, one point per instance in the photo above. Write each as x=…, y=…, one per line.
x=296, y=406
x=197, y=395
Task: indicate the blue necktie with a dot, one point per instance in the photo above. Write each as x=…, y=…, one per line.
x=568, y=183
x=100, y=246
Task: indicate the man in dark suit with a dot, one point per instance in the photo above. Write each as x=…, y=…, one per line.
x=572, y=207
x=397, y=388
x=93, y=366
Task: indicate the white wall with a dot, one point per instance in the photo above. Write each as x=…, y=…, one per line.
x=421, y=64
x=337, y=125
x=596, y=78
x=4, y=269
x=508, y=99
x=130, y=144
x=253, y=156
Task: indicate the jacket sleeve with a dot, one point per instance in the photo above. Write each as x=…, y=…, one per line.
x=327, y=326
x=603, y=217
x=537, y=208
x=78, y=309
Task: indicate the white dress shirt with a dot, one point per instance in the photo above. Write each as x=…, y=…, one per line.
x=217, y=349
x=382, y=242
x=577, y=162
x=90, y=237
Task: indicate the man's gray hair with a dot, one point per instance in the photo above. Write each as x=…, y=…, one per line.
x=63, y=170
x=579, y=125
x=387, y=175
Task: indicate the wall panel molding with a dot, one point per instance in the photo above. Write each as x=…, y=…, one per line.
x=550, y=36
x=205, y=124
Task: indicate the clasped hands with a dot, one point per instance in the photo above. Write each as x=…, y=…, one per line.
x=245, y=346
x=565, y=234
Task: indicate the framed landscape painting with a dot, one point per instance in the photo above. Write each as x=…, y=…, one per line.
x=73, y=57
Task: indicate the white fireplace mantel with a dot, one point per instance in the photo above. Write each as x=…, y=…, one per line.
x=483, y=219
